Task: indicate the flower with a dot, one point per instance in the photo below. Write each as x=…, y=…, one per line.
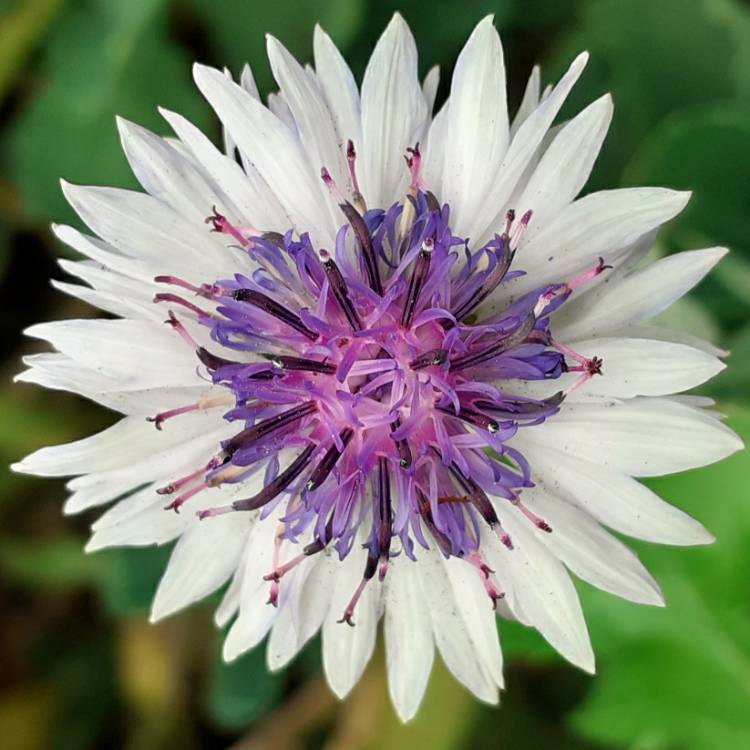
x=412, y=390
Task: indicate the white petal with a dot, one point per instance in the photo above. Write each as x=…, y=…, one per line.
x=304, y=614
x=520, y=152
x=339, y=87
x=641, y=437
x=393, y=114
x=136, y=354
x=256, y=616
x=409, y=645
x=273, y=150
x=563, y=170
x=255, y=203
x=346, y=650
x=604, y=224
x=477, y=127
x=145, y=228
x=589, y=551
x=546, y=593
x=617, y=500
x=166, y=174
x=125, y=442
x=641, y=295
x=101, y=252
x=204, y=558
x=529, y=102
x=430, y=87
x=315, y=124
x=461, y=641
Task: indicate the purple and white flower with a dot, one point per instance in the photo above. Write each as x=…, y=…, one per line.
x=406, y=373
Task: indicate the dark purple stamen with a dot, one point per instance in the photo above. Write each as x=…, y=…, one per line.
x=471, y=417
x=418, y=277
x=301, y=364
x=273, y=308
x=431, y=357
x=481, y=502
x=402, y=446
x=332, y=455
x=341, y=292
x=268, y=426
x=504, y=344
x=357, y=223
x=212, y=361
x=385, y=515
x=282, y=481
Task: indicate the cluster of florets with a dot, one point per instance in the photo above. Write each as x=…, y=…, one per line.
x=368, y=384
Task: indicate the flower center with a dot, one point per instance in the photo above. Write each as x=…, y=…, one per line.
x=365, y=374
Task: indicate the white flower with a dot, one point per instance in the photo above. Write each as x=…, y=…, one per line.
x=391, y=369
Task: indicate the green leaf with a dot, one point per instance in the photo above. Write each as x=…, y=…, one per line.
x=657, y=58
x=680, y=676
x=238, y=29
x=104, y=58
x=49, y=565
x=707, y=151
x=131, y=576
x=242, y=691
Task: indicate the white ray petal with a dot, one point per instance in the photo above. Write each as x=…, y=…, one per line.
x=129, y=440
x=143, y=227
x=315, y=124
x=136, y=354
x=477, y=127
x=255, y=202
x=617, y=500
x=346, y=649
x=167, y=175
x=642, y=437
x=566, y=164
x=589, y=551
x=529, y=102
x=430, y=87
x=204, y=558
x=640, y=295
x=460, y=641
x=339, y=87
x=546, y=594
x=409, y=645
x=256, y=616
x=521, y=150
x=393, y=114
x=632, y=367
x=274, y=151
x=606, y=224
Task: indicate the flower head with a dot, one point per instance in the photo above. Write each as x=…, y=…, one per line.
x=404, y=372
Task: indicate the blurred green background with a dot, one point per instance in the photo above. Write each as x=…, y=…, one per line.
x=81, y=668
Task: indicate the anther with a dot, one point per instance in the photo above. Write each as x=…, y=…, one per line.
x=340, y=291
x=300, y=364
x=329, y=460
x=274, y=309
x=269, y=492
x=268, y=426
x=431, y=357
x=418, y=278
x=504, y=344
